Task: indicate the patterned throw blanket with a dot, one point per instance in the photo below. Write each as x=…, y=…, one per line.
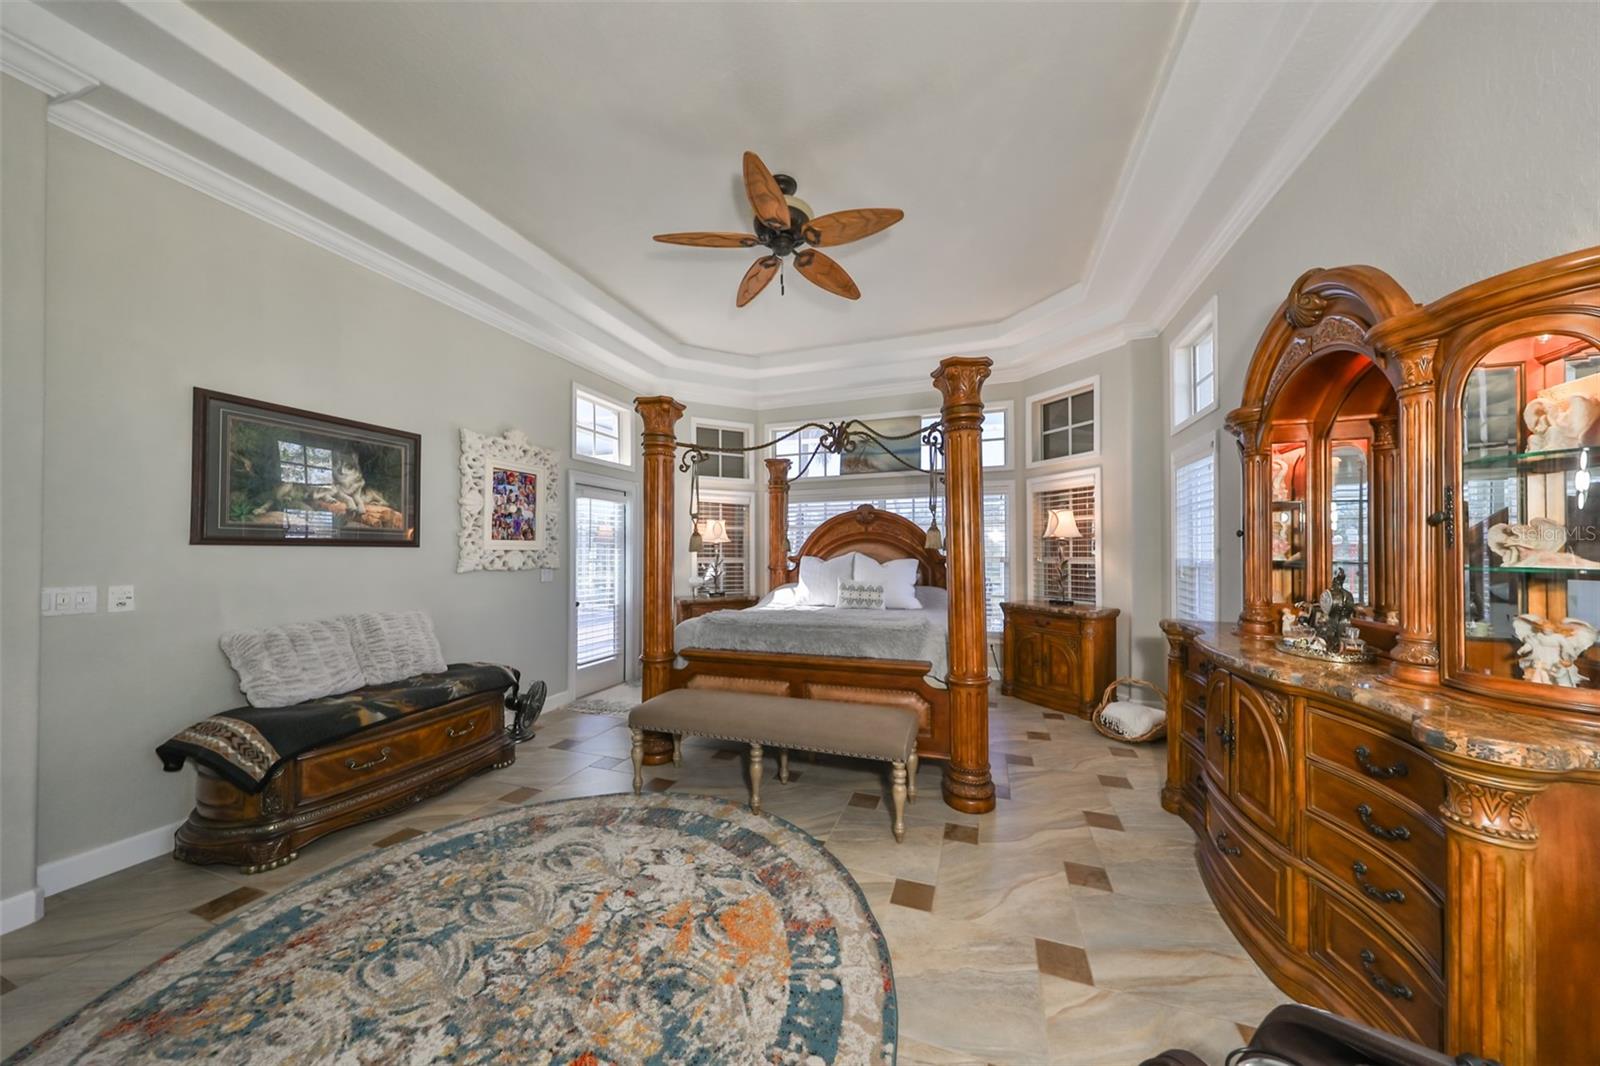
x=246, y=744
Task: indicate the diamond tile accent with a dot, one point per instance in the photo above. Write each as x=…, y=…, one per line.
x=1055, y=716
x=1111, y=781
x=1088, y=876
x=606, y=762
x=864, y=800
x=566, y=745
x=5, y=986
x=913, y=894
x=1064, y=961
x=1032, y=735
x=399, y=836
x=230, y=901
x=961, y=834
x=1018, y=760
x=658, y=784
x=1103, y=821
x=1246, y=1031
x=724, y=754
x=1125, y=753
x=519, y=795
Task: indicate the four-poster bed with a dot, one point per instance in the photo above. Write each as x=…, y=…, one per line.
x=952, y=710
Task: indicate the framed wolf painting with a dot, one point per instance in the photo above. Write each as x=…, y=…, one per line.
x=269, y=474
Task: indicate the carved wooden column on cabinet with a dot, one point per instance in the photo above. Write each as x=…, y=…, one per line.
x=1490, y=933
x=660, y=415
x=1257, y=618
x=777, y=522
x=1415, y=657
x=967, y=784
x=1385, y=441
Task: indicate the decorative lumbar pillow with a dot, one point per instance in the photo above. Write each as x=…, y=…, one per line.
x=394, y=645
x=285, y=665
x=860, y=595
x=898, y=578
x=819, y=579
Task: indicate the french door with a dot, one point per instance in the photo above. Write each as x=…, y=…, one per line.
x=600, y=521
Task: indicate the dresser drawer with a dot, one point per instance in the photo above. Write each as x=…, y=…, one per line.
x=1376, y=757
x=355, y=765
x=1194, y=723
x=1254, y=871
x=1384, y=887
x=1191, y=770
x=1390, y=980
x=1381, y=821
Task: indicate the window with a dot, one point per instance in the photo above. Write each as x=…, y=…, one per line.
x=1062, y=424
x=1194, y=534
x=735, y=518
x=1194, y=368
x=993, y=440
x=597, y=429
x=732, y=467
x=803, y=450
x=1066, y=565
x=302, y=464
x=806, y=515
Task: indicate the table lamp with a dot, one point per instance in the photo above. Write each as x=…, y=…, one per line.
x=1061, y=525
x=715, y=532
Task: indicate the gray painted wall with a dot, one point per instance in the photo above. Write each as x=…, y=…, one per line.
x=1474, y=151
x=22, y=250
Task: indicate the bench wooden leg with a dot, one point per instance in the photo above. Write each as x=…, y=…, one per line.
x=911, y=776
x=638, y=761
x=755, y=778
x=897, y=792
x=677, y=751
x=783, y=766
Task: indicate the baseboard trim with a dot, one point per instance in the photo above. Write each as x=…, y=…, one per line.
x=24, y=908
x=85, y=866
x=558, y=699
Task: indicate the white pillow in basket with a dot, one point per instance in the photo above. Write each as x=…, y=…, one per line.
x=898, y=578
x=1131, y=719
x=394, y=645
x=285, y=665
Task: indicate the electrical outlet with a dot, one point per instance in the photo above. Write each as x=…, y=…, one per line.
x=85, y=599
x=75, y=599
x=547, y=574
x=119, y=598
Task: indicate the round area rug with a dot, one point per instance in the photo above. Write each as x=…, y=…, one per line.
x=609, y=929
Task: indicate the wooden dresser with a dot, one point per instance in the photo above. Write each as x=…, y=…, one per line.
x=687, y=607
x=1058, y=656
x=1413, y=841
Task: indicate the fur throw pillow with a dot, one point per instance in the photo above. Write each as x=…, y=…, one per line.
x=394, y=645
x=285, y=665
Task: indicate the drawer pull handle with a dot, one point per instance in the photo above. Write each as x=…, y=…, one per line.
x=383, y=757
x=452, y=732
x=1399, y=832
x=1382, y=773
x=1225, y=734
x=1380, y=982
x=1382, y=895
x=1223, y=845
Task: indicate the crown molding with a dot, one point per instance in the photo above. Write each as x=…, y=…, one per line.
x=161, y=85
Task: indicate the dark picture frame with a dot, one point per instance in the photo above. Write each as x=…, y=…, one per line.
x=265, y=473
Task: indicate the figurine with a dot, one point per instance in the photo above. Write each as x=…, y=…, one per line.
x=1564, y=416
x=1537, y=542
x=1550, y=650
x=1327, y=630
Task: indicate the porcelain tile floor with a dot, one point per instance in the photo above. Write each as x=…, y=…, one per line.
x=1068, y=926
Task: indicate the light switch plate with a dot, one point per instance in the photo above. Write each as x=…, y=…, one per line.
x=71, y=599
x=119, y=598
x=85, y=599
x=547, y=574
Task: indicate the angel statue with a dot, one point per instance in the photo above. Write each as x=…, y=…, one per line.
x=1550, y=650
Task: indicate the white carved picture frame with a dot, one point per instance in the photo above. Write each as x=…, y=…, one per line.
x=511, y=450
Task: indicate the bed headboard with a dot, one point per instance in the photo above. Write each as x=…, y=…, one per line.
x=881, y=535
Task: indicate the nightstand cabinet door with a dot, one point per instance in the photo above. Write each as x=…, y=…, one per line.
x=1061, y=658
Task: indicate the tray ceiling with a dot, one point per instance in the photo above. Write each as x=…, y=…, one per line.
x=1001, y=130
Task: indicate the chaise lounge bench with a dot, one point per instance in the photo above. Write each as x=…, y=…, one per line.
x=860, y=730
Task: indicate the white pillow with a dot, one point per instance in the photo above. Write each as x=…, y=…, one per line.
x=394, y=645
x=285, y=665
x=819, y=579
x=898, y=578
x=1131, y=719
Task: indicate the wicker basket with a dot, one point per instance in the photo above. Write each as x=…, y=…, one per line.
x=1106, y=698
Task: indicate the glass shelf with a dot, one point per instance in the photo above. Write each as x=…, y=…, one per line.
x=1288, y=564
x=1544, y=571
x=1550, y=462
x=1288, y=505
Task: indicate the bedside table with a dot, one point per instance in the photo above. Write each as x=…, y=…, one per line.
x=686, y=607
x=1059, y=657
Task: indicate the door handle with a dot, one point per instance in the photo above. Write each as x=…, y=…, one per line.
x=1224, y=847
x=1382, y=832
x=1391, y=895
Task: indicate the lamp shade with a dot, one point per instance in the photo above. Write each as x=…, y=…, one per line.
x=1060, y=525
x=714, y=531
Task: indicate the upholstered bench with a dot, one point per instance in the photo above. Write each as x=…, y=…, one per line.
x=861, y=730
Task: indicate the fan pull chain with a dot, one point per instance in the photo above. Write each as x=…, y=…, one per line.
x=780, y=277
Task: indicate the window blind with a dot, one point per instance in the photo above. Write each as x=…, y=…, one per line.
x=735, y=553
x=806, y=515
x=1194, y=548
x=1067, y=568
x=598, y=559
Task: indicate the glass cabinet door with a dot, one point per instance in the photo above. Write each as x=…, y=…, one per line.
x=1288, y=523
x=1350, y=516
x=1530, y=542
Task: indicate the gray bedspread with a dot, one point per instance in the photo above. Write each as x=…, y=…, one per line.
x=914, y=635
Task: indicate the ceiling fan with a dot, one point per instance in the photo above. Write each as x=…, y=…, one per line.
x=784, y=226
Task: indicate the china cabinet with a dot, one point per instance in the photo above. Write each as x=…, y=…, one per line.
x=1412, y=840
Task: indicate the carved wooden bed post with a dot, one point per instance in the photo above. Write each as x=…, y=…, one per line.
x=967, y=784
x=777, y=522
x=660, y=414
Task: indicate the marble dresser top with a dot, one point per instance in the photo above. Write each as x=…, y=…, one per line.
x=1471, y=729
x=1065, y=611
